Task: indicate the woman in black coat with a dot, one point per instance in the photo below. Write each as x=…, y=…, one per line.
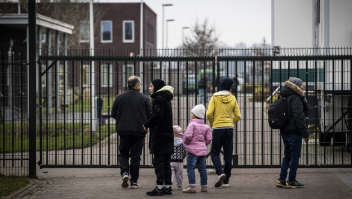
x=161, y=142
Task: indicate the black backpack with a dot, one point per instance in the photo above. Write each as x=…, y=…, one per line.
x=279, y=113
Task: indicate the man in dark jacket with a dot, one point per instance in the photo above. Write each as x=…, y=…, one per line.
x=131, y=110
x=293, y=133
x=161, y=142
x=234, y=86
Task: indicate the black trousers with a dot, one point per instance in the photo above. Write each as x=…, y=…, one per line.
x=162, y=167
x=130, y=147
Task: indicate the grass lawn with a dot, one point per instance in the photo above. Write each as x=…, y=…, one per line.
x=84, y=105
x=10, y=184
x=64, y=137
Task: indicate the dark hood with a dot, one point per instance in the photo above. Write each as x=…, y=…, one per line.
x=291, y=89
x=166, y=92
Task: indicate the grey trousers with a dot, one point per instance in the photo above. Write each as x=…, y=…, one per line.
x=177, y=173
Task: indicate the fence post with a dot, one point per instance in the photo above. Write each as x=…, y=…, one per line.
x=32, y=90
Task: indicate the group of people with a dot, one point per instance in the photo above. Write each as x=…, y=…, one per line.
x=135, y=113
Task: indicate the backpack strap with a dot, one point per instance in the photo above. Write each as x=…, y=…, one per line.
x=289, y=112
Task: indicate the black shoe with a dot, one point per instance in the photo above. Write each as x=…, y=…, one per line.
x=134, y=185
x=155, y=192
x=294, y=185
x=125, y=179
x=167, y=191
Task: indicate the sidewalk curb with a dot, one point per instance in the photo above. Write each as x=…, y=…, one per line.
x=35, y=186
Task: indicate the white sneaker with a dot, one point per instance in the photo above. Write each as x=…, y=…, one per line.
x=225, y=185
x=135, y=185
x=220, y=179
x=125, y=179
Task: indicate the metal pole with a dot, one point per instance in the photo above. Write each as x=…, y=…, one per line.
x=162, y=46
x=141, y=48
x=32, y=90
x=162, y=33
x=91, y=38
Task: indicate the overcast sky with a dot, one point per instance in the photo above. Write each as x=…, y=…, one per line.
x=235, y=21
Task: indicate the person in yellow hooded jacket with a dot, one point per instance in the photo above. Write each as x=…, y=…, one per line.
x=223, y=112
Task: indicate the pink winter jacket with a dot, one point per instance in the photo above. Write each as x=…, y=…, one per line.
x=197, y=137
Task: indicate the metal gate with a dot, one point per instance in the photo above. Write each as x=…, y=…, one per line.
x=75, y=128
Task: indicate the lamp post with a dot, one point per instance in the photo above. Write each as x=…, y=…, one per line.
x=167, y=21
x=183, y=28
x=162, y=40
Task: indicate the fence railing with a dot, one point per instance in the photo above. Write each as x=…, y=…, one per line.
x=76, y=92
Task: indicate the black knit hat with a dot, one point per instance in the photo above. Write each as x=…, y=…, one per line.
x=225, y=83
x=158, y=84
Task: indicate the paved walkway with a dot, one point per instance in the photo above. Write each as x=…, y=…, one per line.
x=245, y=183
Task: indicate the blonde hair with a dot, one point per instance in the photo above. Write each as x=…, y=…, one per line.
x=177, y=128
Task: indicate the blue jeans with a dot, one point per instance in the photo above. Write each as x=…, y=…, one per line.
x=293, y=144
x=202, y=94
x=192, y=161
x=222, y=138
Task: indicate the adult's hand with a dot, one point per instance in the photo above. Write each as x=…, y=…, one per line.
x=145, y=128
x=306, y=139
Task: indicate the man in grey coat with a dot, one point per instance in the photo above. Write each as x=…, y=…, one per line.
x=131, y=109
x=293, y=133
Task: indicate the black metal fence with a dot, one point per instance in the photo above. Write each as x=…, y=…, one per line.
x=76, y=92
x=14, y=132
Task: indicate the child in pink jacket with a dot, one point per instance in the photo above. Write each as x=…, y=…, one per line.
x=196, y=139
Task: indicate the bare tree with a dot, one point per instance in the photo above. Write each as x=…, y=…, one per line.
x=203, y=40
x=73, y=12
x=6, y=7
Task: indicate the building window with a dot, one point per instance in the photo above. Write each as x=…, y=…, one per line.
x=128, y=71
x=84, y=32
x=128, y=31
x=106, y=75
x=43, y=37
x=106, y=31
x=85, y=75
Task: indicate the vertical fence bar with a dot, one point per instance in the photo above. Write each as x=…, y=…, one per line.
x=73, y=112
x=117, y=86
x=280, y=83
x=178, y=91
x=21, y=64
x=91, y=112
x=333, y=111
x=253, y=112
x=32, y=90
x=47, y=113
x=65, y=102
x=307, y=86
x=245, y=115
x=3, y=109
x=324, y=105
x=108, y=76
x=82, y=109
x=316, y=110
x=101, y=108
x=236, y=125
x=350, y=109
x=342, y=134
x=262, y=99
x=13, y=109
x=187, y=83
